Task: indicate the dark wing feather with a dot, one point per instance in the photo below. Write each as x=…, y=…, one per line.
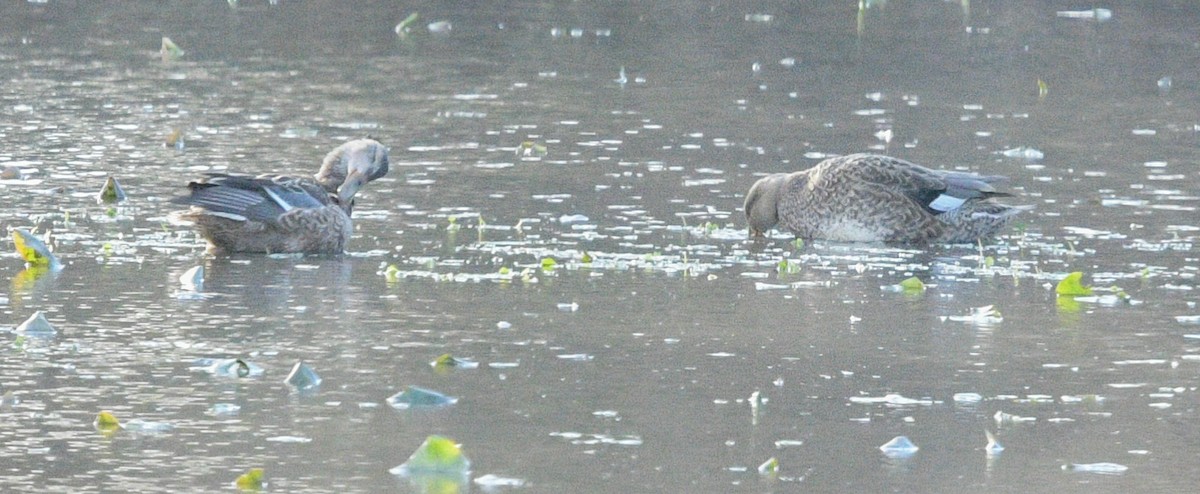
x=256, y=199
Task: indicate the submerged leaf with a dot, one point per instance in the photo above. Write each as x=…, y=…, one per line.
x=1072, y=285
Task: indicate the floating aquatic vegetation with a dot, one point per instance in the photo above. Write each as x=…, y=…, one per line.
x=34, y=251
x=415, y=397
x=993, y=446
x=37, y=325
x=447, y=360
x=106, y=421
x=548, y=263
x=586, y=258
x=530, y=149
x=1072, y=285
x=787, y=266
x=911, y=285
x=192, y=279
x=252, y=480
x=437, y=455
x=111, y=192
x=405, y=25
x=899, y=447
x=303, y=378
x=174, y=139
x=169, y=50
x=1101, y=468
x=769, y=467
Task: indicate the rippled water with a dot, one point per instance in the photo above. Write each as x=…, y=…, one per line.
x=634, y=371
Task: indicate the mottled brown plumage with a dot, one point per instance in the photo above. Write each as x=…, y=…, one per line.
x=874, y=198
x=284, y=214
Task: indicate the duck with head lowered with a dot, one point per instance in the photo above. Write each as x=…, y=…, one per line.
x=281, y=214
x=875, y=198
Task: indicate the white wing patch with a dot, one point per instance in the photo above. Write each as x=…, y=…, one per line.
x=946, y=202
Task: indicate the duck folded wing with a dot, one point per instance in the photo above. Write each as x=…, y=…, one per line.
x=937, y=191
x=253, y=199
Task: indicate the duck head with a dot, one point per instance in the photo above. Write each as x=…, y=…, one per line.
x=762, y=203
x=350, y=166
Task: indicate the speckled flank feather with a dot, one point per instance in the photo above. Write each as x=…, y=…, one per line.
x=284, y=214
x=873, y=198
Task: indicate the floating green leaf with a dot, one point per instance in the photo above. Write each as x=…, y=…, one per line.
x=1072, y=285
x=252, y=480
x=787, y=266
x=391, y=273
x=169, y=50
x=403, y=27
x=912, y=284
x=105, y=420
x=34, y=251
x=549, y=263
x=453, y=226
x=769, y=467
x=436, y=455
x=798, y=243
x=447, y=360
x=587, y=258
x=111, y=192
x=530, y=148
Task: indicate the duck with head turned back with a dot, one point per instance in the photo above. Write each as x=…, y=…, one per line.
x=875, y=198
x=283, y=214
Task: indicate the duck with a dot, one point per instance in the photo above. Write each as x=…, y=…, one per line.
x=283, y=214
x=875, y=198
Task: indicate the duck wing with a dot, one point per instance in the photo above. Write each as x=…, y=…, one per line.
x=242, y=198
x=936, y=191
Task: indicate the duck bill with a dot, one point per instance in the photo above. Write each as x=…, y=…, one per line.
x=354, y=181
